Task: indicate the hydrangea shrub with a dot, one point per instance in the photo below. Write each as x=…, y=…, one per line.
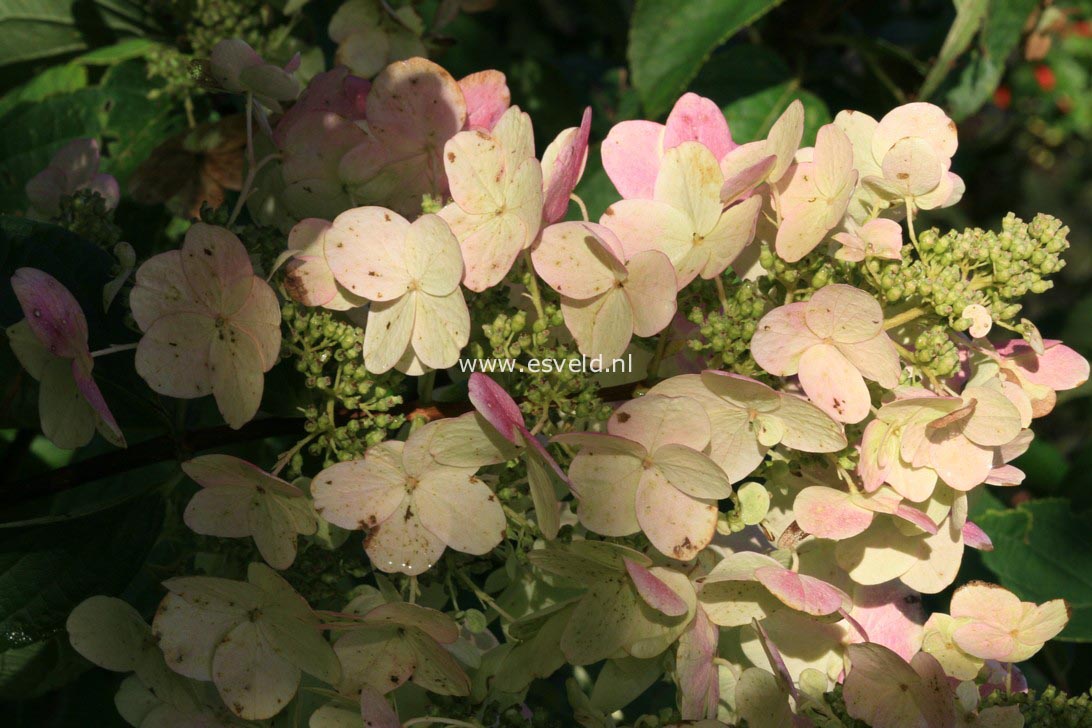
x=817, y=383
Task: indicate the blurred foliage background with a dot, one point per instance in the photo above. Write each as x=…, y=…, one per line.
x=1015, y=74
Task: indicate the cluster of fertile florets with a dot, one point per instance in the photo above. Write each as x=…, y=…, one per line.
x=645, y=518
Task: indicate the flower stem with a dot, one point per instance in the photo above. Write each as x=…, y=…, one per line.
x=251, y=173
x=661, y=349
x=532, y=287
x=114, y=349
x=903, y=318
x=721, y=294
x=580, y=203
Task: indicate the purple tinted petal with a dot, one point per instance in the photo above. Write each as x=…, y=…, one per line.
x=52, y=312
x=81, y=372
x=496, y=406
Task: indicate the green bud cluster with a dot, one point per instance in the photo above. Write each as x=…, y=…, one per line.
x=813, y=271
x=935, y=353
x=993, y=269
x=200, y=25
x=1050, y=708
x=352, y=408
x=564, y=395
x=84, y=213
x=724, y=332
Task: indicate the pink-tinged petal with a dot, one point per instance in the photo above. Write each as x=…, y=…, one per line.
x=651, y=289
x=777, y=662
x=876, y=359
x=496, y=406
x=107, y=187
x=260, y=317
x=81, y=372
x=918, y=119
x=655, y=592
x=985, y=640
x=657, y=420
x=562, y=166
x=780, y=338
x=830, y=513
x=374, y=709
x=742, y=182
x=845, y=314
x=308, y=278
x=959, y=462
x=918, y=518
x=336, y=91
x=698, y=119
x=402, y=543
x=51, y=312
x=834, y=384
x=631, y=157
x=213, y=261
x=976, y=538
x=173, y=355
x=891, y=614
x=365, y=250
x=44, y=190
x=487, y=98
x=699, y=686
x=677, y=525
x=801, y=592
x=580, y=259
x=161, y=290
x=1006, y=475
x=1059, y=367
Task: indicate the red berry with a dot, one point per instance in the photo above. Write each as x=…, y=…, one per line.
x=1002, y=97
x=1044, y=76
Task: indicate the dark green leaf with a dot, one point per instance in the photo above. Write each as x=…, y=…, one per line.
x=670, y=40
x=1000, y=35
x=49, y=566
x=36, y=29
x=1042, y=551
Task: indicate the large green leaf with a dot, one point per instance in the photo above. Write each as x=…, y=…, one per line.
x=118, y=112
x=670, y=40
x=1000, y=35
x=1043, y=550
x=49, y=565
x=969, y=17
x=32, y=30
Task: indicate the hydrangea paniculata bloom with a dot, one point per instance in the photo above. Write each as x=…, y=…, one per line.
x=74, y=167
x=418, y=318
x=210, y=325
x=605, y=298
x=51, y=344
x=833, y=342
x=238, y=499
x=412, y=506
x=649, y=473
x=238, y=68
